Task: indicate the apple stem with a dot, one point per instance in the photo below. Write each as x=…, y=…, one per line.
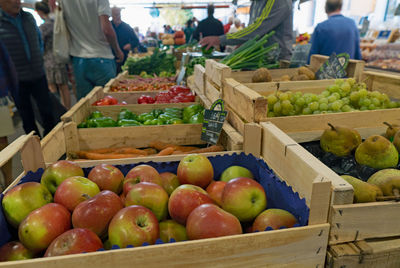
x=389, y=125
x=86, y=196
x=332, y=127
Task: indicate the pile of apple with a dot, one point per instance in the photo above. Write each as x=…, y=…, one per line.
x=67, y=213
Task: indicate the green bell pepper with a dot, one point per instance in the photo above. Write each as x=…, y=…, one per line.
x=145, y=116
x=95, y=114
x=128, y=123
x=197, y=119
x=101, y=122
x=83, y=125
x=126, y=114
x=175, y=121
x=157, y=112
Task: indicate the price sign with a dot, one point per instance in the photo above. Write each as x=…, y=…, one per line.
x=213, y=122
x=300, y=55
x=334, y=67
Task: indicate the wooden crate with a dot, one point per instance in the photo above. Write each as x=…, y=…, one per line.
x=388, y=83
x=199, y=78
x=365, y=254
x=293, y=247
x=349, y=222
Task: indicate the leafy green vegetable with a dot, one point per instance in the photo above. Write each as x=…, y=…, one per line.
x=157, y=63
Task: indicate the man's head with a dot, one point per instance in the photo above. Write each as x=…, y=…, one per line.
x=332, y=6
x=237, y=22
x=116, y=15
x=210, y=10
x=230, y=21
x=11, y=7
x=42, y=8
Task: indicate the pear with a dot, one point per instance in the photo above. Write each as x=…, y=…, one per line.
x=340, y=141
x=363, y=191
x=388, y=180
x=391, y=130
x=377, y=152
x=396, y=140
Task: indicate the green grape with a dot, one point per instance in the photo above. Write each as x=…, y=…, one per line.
x=293, y=98
x=277, y=108
x=323, y=106
x=283, y=96
x=337, y=105
x=375, y=94
x=398, y=104
x=307, y=111
x=346, y=87
x=308, y=99
x=325, y=93
x=329, y=106
x=363, y=93
x=376, y=102
x=316, y=112
x=363, y=108
x=392, y=104
x=366, y=102
x=345, y=100
x=333, y=88
x=314, y=97
x=292, y=113
x=332, y=98
x=384, y=97
x=300, y=102
x=339, y=82
x=272, y=99
x=354, y=96
x=313, y=106
x=371, y=107
x=298, y=94
x=323, y=100
x=286, y=104
x=363, y=85
x=307, y=95
x=271, y=114
x=337, y=95
x=351, y=81
x=346, y=108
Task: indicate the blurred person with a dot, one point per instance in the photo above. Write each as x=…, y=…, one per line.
x=237, y=26
x=337, y=34
x=243, y=25
x=209, y=26
x=92, y=41
x=21, y=37
x=265, y=16
x=8, y=85
x=189, y=30
x=168, y=29
x=138, y=34
x=127, y=39
x=56, y=72
x=227, y=26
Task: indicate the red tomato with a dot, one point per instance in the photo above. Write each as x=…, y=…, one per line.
x=111, y=100
x=179, y=89
x=142, y=99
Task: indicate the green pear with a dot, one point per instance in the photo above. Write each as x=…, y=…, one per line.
x=391, y=130
x=377, y=152
x=396, y=140
x=388, y=180
x=340, y=141
x=363, y=191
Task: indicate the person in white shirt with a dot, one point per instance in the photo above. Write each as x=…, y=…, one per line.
x=237, y=26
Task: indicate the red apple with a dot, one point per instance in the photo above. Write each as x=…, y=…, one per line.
x=170, y=181
x=151, y=196
x=195, y=169
x=184, y=199
x=170, y=229
x=43, y=225
x=75, y=190
x=74, y=241
x=274, y=218
x=215, y=190
x=209, y=220
x=134, y=226
x=245, y=198
x=127, y=185
x=15, y=251
x=107, y=177
x=56, y=173
x=122, y=196
x=144, y=173
x=233, y=172
x=96, y=213
x=21, y=200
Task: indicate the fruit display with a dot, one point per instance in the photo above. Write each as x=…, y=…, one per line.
x=303, y=38
x=370, y=166
x=153, y=204
x=138, y=83
x=343, y=96
x=192, y=63
x=108, y=100
x=303, y=73
x=179, y=38
x=156, y=63
x=176, y=94
x=382, y=56
x=193, y=114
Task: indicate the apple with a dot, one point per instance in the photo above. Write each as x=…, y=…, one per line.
x=209, y=220
x=170, y=181
x=236, y=172
x=144, y=173
x=151, y=196
x=170, y=229
x=122, y=196
x=21, y=200
x=195, y=169
x=43, y=225
x=15, y=251
x=184, y=199
x=274, y=218
x=107, y=177
x=75, y=190
x=96, y=213
x=74, y=241
x=56, y=173
x=134, y=226
x=215, y=190
x=245, y=198
x=127, y=185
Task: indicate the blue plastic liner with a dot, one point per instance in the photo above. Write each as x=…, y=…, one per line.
x=279, y=194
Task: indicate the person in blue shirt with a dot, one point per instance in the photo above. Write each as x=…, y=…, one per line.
x=337, y=34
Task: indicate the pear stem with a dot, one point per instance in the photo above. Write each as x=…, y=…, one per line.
x=396, y=193
x=333, y=128
x=389, y=125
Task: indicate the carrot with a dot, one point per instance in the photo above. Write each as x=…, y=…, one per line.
x=166, y=151
x=159, y=145
x=97, y=156
x=129, y=150
x=103, y=150
x=150, y=151
x=186, y=148
x=211, y=149
x=178, y=152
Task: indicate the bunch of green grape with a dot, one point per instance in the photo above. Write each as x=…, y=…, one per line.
x=343, y=96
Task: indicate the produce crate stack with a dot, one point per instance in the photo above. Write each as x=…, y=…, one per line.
x=303, y=246
x=383, y=81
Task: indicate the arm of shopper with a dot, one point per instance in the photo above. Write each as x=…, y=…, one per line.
x=40, y=39
x=133, y=39
x=111, y=37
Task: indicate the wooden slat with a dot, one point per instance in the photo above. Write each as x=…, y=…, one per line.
x=235, y=120
x=199, y=77
x=71, y=138
x=320, y=200
x=53, y=145
x=15, y=147
x=211, y=92
x=296, y=247
x=252, y=139
x=96, y=94
x=230, y=138
x=78, y=112
x=383, y=82
x=361, y=221
x=31, y=155
x=217, y=72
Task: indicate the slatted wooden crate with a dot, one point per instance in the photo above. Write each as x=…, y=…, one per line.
x=293, y=247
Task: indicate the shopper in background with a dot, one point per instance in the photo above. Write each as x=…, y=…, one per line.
x=337, y=34
x=209, y=26
x=237, y=26
x=21, y=37
x=127, y=39
x=227, y=26
x=189, y=30
x=56, y=72
x=138, y=34
x=8, y=85
x=92, y=38
x=265, y=16
x=168, y=29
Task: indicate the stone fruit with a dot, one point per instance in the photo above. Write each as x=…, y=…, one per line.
x=56, y=173
x=274, y=218
x=363, y=191
x=195, y=169
x=107, y=177
x=340, y=141
x=377, y=152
